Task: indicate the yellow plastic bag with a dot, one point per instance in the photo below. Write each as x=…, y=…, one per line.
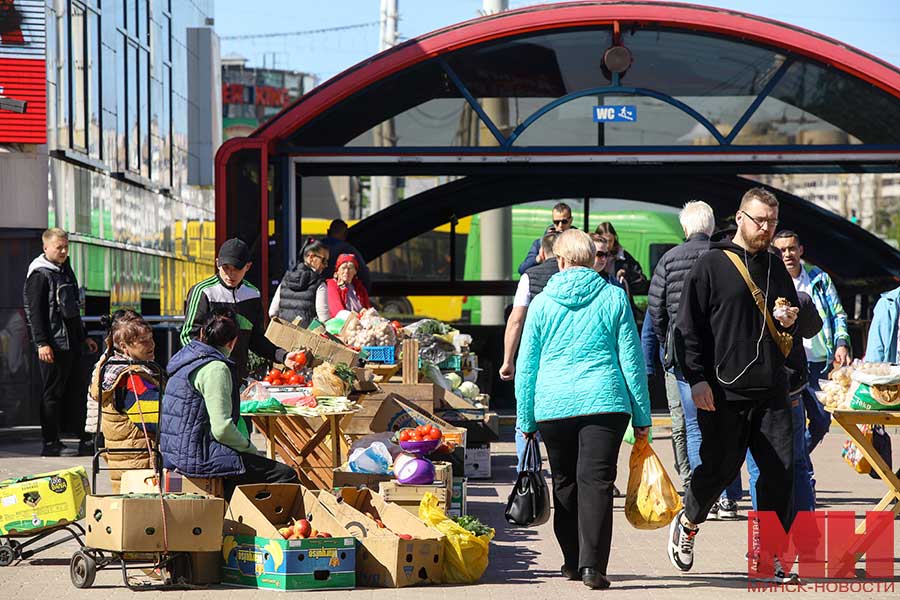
x=651, y=501
x=465, y=554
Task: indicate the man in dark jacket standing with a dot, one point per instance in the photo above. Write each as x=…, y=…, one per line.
x=735, y=367
x=53, y=313
x=562, y=220
x=228, y=289
x=698, y=223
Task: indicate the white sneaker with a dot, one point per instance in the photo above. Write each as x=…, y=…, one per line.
x=680, y=547
x=713, y=513
x=728, y=509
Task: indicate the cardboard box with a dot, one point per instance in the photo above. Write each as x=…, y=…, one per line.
x=134, y=523
x=478, y=461
x=143, y=481
x=206, y=568
x=408, y=497
x=457, y=498
x=456, y=460
x=422, y=395
x=35, y=502
x=384, y=559
x=257, y=556
x=397, y=413
x=291, y=337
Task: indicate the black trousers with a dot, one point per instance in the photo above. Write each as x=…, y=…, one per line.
x=727, y=432
x=61, y=386
x=259, y=469
x=582, y=452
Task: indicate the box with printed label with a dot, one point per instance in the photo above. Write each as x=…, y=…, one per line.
x=134, y=523
x=29, y=504
x=457, y=498
x=396, y=548
x=478, y=461
x=257, y=556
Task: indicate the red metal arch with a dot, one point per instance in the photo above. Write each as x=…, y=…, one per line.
x=578, y=14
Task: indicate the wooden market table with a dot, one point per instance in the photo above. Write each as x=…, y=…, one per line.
x=313, y=446
x=848, y=420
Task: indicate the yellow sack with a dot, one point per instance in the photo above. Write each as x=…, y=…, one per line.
x=651, y=501
x=465, y=554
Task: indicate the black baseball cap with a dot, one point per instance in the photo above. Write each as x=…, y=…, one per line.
x=234, y=252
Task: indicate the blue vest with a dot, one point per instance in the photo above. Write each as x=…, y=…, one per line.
x=186, y=440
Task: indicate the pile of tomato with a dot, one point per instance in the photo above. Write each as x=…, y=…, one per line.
x=288, y=377
x=422, y=433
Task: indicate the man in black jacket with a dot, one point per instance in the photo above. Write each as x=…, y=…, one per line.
x=698, y=223
x=736, y=371
x=228, y=288
x=53, y=313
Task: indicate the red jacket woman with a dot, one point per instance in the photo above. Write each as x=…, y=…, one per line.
x=345, y=290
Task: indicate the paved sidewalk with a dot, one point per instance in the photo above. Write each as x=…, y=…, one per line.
x=523, y=561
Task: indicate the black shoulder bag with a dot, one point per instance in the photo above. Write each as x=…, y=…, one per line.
x=529, y=502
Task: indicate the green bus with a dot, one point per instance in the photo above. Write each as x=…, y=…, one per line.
x=646, y=234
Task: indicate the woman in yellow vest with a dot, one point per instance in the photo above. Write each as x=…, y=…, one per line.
x=128, y=395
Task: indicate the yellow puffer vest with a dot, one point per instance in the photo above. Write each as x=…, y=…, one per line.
x=117, y=428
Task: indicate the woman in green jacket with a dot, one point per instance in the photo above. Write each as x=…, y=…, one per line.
x=580, y=377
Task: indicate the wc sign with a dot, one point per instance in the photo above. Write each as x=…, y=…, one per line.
x=615, y=113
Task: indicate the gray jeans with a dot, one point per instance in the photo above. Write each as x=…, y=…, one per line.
x=679, y=435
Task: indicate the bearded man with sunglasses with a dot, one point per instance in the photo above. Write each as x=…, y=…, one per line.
x=733, y=357
x=562, y=220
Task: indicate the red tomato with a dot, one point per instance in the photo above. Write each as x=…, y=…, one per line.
x=274, y=373
x=435, y=434
x=397, y=325
x=416, y=437
x=295, y=379
x=422, y=429
x=267, y=379
x=301, y=380
x=301, y=359
x=404, y=435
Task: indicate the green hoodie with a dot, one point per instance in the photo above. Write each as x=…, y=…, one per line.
x=580, y=353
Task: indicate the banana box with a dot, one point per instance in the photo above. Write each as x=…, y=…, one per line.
x=35, y=502
x=257, y=556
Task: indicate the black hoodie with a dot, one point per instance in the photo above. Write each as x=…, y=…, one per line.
x=718, y=326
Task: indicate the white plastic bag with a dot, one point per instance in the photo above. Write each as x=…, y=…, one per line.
x=373, y=459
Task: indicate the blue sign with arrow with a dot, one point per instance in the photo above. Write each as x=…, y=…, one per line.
x=615, y=113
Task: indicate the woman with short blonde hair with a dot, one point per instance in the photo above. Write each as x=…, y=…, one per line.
x=580, y=377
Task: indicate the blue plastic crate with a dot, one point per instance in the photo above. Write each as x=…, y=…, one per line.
x=451, y=363
x=381, y=354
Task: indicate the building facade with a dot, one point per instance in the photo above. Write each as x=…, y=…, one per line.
x=116, y=146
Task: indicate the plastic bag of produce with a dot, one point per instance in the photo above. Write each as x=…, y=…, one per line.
x=374, y=459
x=853, y=456
x=465, y=554
x=651, y=501
x=329, y=380
x=875, y=397
x=269, y=405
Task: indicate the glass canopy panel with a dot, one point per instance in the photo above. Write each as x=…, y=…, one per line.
x=814, y=105
x=717, y=77
x=658, y=124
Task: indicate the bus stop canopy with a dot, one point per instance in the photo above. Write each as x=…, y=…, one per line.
x=665, y=101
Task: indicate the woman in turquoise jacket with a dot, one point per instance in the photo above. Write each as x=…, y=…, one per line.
x=580, y=377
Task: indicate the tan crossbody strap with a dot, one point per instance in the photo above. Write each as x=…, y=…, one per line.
x=784, y=340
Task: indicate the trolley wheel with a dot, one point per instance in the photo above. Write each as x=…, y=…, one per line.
x=8, y=554
x=82, y=570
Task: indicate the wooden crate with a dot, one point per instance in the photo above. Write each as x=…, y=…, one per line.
x=408, y=497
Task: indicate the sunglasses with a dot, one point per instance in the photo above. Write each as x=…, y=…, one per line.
x=560, y=221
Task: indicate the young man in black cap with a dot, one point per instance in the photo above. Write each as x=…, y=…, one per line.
x=227, y=288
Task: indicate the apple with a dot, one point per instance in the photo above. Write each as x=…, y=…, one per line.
x=286, y=532
x=303, y=528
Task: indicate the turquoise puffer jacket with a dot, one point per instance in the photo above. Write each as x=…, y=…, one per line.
x=580, y=353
